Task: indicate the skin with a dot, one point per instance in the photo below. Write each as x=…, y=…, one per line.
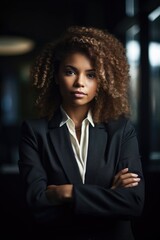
x=78, y=84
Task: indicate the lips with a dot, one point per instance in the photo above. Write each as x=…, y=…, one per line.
x=79, y=94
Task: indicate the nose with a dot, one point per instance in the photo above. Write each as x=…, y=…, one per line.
x=79, y=81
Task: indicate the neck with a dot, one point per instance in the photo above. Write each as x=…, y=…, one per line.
x=77, y=114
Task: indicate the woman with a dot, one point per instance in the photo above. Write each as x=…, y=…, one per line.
x=79, y=161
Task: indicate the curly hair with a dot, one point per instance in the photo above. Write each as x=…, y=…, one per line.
x=112, y=71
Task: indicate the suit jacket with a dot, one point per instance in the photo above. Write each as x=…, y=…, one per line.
x=97, y=212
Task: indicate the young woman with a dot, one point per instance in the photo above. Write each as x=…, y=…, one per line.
x=79, y=161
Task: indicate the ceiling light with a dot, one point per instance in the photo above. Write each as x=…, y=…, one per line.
x=13, y=45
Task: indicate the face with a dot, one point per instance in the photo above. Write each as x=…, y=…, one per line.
x=77, y=81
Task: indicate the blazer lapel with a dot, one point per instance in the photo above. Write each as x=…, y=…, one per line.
x=96, y=149
x=61, y=142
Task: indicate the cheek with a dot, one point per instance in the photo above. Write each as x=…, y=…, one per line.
x=64, y=87
x=64, y=84
x=93, y=88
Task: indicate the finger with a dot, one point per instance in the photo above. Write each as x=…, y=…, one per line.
x=129, y=178
x=131, y=184
x=123, y=171
x=130, y=181
x=120, y=173
x=128, y=175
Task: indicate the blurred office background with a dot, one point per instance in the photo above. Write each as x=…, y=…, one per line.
x=25, y=27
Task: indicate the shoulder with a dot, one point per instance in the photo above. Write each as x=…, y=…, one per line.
x=43, y=124
x=122, y=125
x=36, y=124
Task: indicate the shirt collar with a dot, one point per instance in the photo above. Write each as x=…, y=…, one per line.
x=66, y=118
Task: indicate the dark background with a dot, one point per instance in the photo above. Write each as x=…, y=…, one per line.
x=42, y=22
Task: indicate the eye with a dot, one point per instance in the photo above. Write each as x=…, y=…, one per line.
x=69, y=72
x=91, y=75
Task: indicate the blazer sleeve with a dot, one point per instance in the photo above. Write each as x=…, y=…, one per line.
x=33, y=175
x=94, y=200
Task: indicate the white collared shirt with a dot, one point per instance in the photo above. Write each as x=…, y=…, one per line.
x=80, y=149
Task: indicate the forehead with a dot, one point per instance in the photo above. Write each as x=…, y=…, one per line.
x=77, y=59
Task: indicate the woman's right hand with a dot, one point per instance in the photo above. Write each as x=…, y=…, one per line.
x=59, y=194
x=125, y=179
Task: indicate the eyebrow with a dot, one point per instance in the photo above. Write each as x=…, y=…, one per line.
x=88, y=70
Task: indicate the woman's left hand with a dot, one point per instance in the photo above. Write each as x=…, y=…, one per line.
x=125, y=179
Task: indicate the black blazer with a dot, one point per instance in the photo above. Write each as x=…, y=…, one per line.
x=98, y=212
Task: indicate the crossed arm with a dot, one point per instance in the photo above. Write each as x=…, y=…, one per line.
x=58, y=194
